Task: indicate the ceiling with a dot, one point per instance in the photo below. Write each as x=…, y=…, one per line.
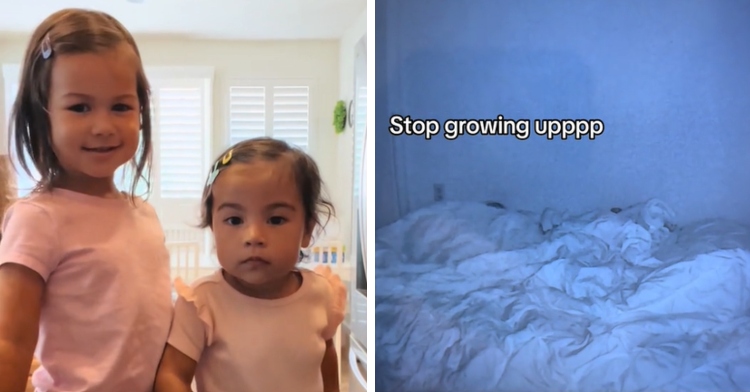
x=210, y=19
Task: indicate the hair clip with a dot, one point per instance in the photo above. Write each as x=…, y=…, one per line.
x=46, y=47
x=218, y=166
x=227, y=157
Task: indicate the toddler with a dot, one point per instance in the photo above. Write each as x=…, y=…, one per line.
x=258, y=323
x=84, y=272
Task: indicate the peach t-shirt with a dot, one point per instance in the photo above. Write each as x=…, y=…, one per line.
x=107, y=304
x=254, y=345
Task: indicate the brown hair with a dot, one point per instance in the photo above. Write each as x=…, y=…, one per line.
x=306, y=175
x=69, y=31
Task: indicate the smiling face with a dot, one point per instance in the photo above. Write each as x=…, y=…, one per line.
x=259, y=222
x=94, y=113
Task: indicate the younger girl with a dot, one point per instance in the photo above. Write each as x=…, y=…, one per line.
x=258, y=323
x=84, y=272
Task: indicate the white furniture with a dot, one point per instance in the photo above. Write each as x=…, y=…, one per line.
x=357, y=356
x=185, y=260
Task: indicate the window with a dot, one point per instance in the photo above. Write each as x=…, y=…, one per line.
x=291, y=115
x=181, y=126
x=181, y=120
x=125, y=175
x=181, y=140
x=359, y=117
x=265, y=109
x=247, y=113
x=24, y=183
x=360, y=122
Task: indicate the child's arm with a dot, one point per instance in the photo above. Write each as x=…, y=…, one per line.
x=20, y=302
x=176, y=371
x=187, y=339
x=330, y=368
x=336, y=303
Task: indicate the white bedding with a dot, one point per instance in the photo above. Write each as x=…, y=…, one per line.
x=476, y=298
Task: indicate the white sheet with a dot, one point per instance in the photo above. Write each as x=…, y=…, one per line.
x=474, y=298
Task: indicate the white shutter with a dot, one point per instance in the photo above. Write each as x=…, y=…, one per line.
x=125, y=175
x=180, y=129
x=247, y=113
x=265, y=109
x=291, y=115
x=24, y=183
x=181, y=125
x=360, y=121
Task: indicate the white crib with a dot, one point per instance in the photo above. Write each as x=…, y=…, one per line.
x=329, y=253
x=185, y=260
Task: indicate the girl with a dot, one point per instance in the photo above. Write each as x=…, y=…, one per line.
x=258, y=323
x=72, y=284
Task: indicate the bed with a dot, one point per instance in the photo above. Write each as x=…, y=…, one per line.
x=477, y=297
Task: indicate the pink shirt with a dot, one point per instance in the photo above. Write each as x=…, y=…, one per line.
x=107, y=305
x=254, y=345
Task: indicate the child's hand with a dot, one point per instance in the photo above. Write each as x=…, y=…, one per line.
x=339, y=289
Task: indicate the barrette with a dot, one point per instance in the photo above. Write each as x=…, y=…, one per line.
x=218, y=166
x=46, y=47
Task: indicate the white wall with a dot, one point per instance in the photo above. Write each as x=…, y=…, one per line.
x=669, y=79
x=315, y=60
x=343, y=194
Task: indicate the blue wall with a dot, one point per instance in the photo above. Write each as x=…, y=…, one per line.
x=670, y=80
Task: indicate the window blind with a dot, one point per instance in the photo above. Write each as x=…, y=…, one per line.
x=360, y=122
x=125, y=175
x=180, y=123
x=281, y=112
x=247, y=113
x=291, y=115
x=24, y=183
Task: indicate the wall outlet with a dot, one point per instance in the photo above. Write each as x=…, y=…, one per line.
x=438, y=192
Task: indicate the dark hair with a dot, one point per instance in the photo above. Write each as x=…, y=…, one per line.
x=69, y=31
x=306, y=175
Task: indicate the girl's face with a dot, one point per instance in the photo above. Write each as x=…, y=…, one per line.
x=259, y=222
x=94, y=113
